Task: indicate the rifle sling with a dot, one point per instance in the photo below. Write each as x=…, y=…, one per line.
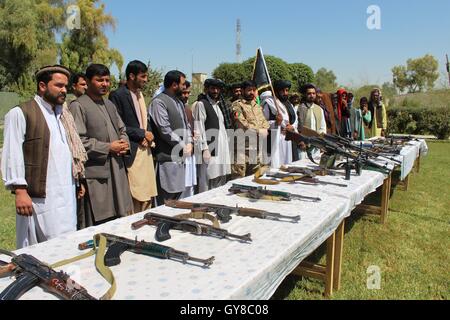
x=200, y=215
x=99, y=264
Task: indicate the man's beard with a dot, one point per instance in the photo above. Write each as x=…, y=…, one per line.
x=283, y=98
x=56, y=100
x=249, y=97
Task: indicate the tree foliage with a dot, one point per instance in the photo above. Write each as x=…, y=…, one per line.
x=27, y=39
x=297, y=73
x=326, y=80
x=155, y=78
x=81, y=47
x=418, y=74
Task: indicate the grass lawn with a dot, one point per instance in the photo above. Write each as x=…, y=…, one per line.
x=412, y=249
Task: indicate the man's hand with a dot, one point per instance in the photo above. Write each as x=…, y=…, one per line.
x=119, y=147
x=24, y=205
x=149, y=136
x=144, y=143
x=302, y=146
x=206, y=156
x=365, y=110
x=263, y=133
x=290, y=128
x=187, y=151
x=355, y=135
x=279, y=119
x=81, y=191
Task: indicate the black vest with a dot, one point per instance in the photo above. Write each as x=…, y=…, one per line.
x=211, y=126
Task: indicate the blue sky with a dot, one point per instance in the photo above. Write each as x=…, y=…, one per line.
x=320, y=33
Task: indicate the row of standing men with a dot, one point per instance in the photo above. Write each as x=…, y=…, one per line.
x=81, y=164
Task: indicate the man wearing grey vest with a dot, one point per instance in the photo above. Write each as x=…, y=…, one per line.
x=173, y=137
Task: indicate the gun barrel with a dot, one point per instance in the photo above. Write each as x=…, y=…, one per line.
x=185, y=257
x=225, y=234
x=277, y=216
x=301, y=197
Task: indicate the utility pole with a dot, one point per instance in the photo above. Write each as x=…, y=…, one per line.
x=238, y=41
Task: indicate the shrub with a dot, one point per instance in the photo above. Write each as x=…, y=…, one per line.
x=420, y=121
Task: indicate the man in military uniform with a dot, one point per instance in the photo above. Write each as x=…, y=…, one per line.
x=252, y=126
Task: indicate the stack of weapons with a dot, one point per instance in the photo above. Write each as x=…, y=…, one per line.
x=336, y=145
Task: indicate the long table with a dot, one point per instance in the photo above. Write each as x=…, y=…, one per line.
x=241, y=270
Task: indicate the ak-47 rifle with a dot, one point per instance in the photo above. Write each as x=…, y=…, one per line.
x=307, y=178
x=165, y=223
x=118, y=245
x=31, y=272
x=310, y=172
x=260, y=192
x=224, y=212
x=331, y=148
x=348, y=144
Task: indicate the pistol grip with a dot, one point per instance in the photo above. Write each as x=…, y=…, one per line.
x=112, y=256
x=162, y=232
x=223, y=216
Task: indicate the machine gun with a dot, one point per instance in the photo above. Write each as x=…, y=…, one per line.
x=30, y=272
x=165, y=224
x=332, y=148
x=260, y=193
x=348, y=144
x=118, y=245
x=224, y=212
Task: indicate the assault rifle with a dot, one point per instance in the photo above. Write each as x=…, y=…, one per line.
x=118, y=245
x=333, y=148
x=30, y=272
x=348, y=144
x=310, y=172
x=224, y=212
x=307, y=178
x=165, y=223
x=260, y=192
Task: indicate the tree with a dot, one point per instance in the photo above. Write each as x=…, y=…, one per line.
x=81, y=47
x=326, y=80
x=230, y=73
x=301, y=74
x=297, y=73
x=155, y=78
x=418, y=74
x=388, y=89
x=27, y=40
x=278, y=68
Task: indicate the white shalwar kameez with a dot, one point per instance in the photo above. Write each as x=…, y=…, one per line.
x=281, y=150
x=55, y=214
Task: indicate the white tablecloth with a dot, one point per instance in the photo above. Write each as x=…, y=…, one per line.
x=240, y=271
x=410, y=152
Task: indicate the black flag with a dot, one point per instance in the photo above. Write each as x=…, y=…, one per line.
x=260, y=72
